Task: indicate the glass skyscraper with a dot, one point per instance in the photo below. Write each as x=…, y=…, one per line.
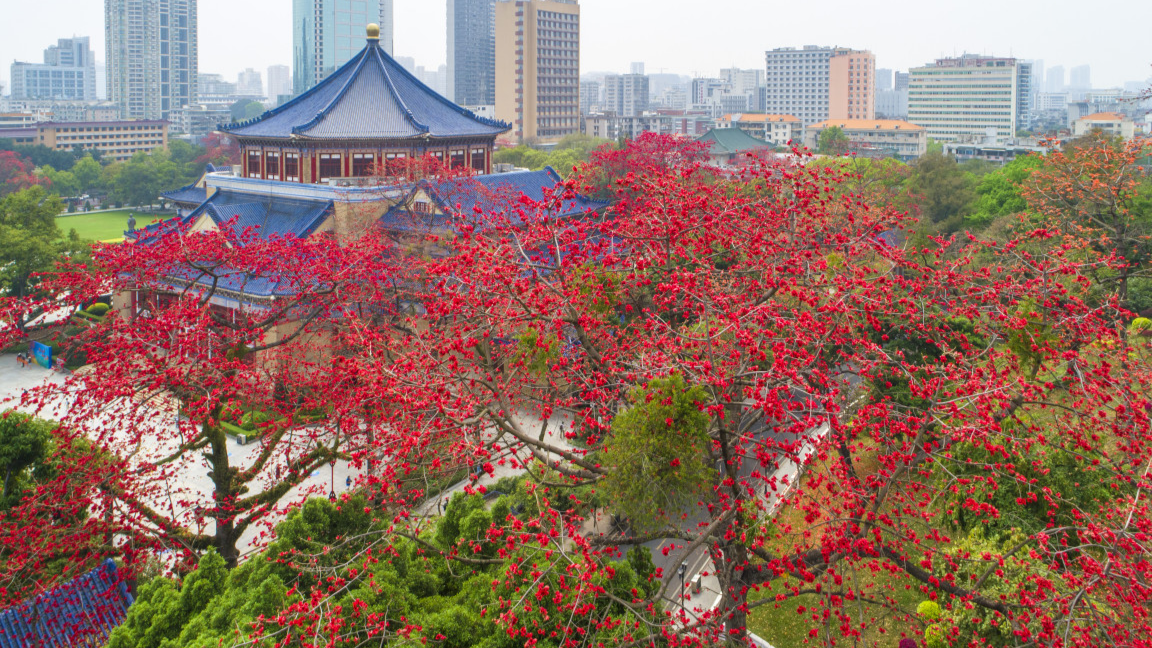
x=472, y=52
x=328, y=33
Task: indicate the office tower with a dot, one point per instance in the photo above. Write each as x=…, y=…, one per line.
x=249, y=83
x=328, y=33
x=1055, y=80
x=820, y=83
x=538, y=68
x=472, y=52
x=1080, y=77
x=68, y=73
x=151, y=56
x=279, y=82
x=966, y=98
x=901, y=82
x=637, y=68
x=626, y=95
x=883, y=80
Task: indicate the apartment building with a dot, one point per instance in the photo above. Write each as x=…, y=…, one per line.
x=151, y=56
x=818, y=83
x=1109, y=123
x=959, y=99
x=471, y=77
x=538, y=68
x=626, y=95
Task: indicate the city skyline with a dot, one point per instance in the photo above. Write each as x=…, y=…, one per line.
x=615, y=34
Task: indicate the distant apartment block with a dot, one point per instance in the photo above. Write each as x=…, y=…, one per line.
x=250, y=83
x=117, y=140
x=901, y=81
x=68, y=73
x=892, y=104
x=818, y=83
x=538, y=68
x=626, y=94
x=777, y=129
x=685, y=123
x=967, y=97
x=279, y=82
x=1080, y=77
x=871, y=137
x=471, y=78
x=590, y=100
x=151, y=56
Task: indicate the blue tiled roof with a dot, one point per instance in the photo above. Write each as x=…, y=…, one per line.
x=370, y=97
x=494, y=193
x=189, y=195
x=267, y=216
x=79, y=613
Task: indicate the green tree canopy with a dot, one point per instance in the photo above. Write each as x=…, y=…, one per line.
x=832, y=141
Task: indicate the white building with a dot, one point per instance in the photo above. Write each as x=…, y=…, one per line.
x=68, y=73
x=961, y=98
x=151, y=56
x=279, y=82
x=626, y=95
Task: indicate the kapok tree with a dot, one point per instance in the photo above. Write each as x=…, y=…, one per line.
x=211, y=330
x=803, y=401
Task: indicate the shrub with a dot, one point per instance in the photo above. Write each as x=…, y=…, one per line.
x=99, y=309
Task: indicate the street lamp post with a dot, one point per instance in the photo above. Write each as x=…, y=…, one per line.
x=683, y=571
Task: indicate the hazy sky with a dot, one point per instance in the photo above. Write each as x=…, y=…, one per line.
x=684, y=36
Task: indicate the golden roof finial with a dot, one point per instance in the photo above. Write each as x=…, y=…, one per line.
x=373, y=32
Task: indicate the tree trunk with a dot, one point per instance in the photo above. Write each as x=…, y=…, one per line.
x=224, y=497
x=734, y=595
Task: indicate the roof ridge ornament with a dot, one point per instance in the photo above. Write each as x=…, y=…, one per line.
x=373, y=32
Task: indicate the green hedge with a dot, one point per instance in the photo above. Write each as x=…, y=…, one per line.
x=99, y=309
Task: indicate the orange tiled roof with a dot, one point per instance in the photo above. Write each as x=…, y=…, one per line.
x=869, y=124
x=748, y=117
x=1106, y=116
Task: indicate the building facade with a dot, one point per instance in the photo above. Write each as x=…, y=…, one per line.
x=1115, y=124
x=472, y=52
x=626, y=95
x=326, y=34
x=250, y=82
x=875, y=138
x=816, y=83
x=961, y=98
x=538, y=68
x=151, y=56
x=68, y=73
x=590, y=100
x=117, y=140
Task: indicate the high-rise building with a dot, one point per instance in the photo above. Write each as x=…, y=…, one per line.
x=901, y=81
x=67, y=73
x=626, y=95
x=1054, y=82
x=328, y=33
x=279, y=81
x=1025, y=94
x=1080, y=77
x=819, y=83
x=472, y=52
x=151, y=56
x=538, y=68
x=250, y=83
x=967, y=97
x=637, y=67
x=883, y=80
x=590, y=101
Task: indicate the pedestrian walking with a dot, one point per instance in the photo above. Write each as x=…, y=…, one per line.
x=348, y=481
x=21, y=360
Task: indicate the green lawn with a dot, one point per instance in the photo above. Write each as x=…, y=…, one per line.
x=103, y=226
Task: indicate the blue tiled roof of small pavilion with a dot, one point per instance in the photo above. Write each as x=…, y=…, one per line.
x=191, y=194
x=267, y=216
x=370, y=97
x=493, y=193
x=78, y=613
